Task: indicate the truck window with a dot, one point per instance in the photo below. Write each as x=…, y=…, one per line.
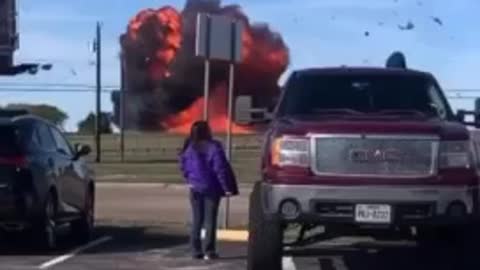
x=310, y=94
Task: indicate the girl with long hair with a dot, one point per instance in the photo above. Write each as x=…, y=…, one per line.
x=210, y=177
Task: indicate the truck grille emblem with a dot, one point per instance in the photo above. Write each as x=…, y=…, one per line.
x=378, y=155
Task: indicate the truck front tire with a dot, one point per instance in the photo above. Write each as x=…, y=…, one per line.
x=265, y=243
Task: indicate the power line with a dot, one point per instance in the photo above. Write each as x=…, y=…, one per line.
x=74, y=85
x=460, y=97
x=83, y=88
x=463, y=90
x=33, y=90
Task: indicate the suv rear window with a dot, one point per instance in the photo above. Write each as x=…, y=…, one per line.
x=311, y=94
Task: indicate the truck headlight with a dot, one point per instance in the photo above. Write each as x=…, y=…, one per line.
x=291, y=151
x=455, y=154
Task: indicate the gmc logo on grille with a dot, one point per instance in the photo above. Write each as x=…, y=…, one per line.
x=376, y=155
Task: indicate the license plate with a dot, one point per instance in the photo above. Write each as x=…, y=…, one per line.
x=373, y=213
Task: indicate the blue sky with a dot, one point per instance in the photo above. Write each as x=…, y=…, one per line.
x=318, y=32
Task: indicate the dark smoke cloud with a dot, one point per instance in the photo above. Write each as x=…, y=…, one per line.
x=150, y=100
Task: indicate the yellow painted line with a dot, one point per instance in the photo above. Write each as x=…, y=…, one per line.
x=232, y=235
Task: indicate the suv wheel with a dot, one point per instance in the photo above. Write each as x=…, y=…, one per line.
x=46, y=228
x=265, y=243
x=82, y=229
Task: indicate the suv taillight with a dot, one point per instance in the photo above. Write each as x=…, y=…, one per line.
x=290, y=151
x=17, y=161
x=455, y=155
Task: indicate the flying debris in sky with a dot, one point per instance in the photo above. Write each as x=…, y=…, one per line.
x=437, y=20
x=381, y=23
x=408, y=26
x=73, y=71
x=367, y=33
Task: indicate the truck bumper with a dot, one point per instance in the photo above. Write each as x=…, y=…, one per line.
x=413, y=205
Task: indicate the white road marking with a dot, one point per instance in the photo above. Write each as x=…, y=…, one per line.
x=74, y=252
x=338, y=262
x=288, y=263
x=206, y=267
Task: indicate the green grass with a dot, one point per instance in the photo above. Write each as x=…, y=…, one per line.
x=152, y=157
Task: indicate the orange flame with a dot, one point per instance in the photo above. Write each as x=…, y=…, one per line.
x=181, y=122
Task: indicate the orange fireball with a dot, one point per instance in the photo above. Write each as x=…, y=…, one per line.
x=167, y=78
x=169, y=34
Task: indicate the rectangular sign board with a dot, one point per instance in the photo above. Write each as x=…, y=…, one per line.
x=219, y=38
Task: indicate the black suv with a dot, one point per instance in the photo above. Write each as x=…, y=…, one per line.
x=44, y=182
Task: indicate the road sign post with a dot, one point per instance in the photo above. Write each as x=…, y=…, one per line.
x=204, y=24
x=206, y=89
x=220, y=38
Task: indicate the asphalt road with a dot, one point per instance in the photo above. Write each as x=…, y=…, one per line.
x=144, y=227
x=167, y=248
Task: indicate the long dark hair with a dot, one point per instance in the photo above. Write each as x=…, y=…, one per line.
x=199, y=132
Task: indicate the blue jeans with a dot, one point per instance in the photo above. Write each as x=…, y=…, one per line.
x=204, y=215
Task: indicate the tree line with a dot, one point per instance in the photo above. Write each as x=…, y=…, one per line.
x=58, y=117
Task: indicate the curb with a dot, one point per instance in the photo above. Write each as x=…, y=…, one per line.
x=230, y=235
x=156, y=185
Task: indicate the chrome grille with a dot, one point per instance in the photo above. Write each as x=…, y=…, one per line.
x=376, y=156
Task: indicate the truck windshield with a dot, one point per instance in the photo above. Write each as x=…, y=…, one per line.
x=348, y=94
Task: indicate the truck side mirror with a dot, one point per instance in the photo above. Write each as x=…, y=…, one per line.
x=462, y=115
x=246, y=114
x=477, y=113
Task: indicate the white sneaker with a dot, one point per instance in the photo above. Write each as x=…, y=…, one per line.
x=211, y=256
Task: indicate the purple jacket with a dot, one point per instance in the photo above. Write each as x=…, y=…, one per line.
x=208, y=171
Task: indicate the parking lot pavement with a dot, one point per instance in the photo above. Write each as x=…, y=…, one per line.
x=117, y=247
x=139, y=248
x=157, y=204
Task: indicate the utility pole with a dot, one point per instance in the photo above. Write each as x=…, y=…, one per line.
x=98, y=122
x=122, y=106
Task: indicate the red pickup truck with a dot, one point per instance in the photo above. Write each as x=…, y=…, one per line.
x=362, y=150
